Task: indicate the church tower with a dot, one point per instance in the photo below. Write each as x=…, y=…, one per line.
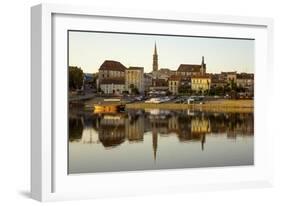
x=203, y=66
x=155, y=60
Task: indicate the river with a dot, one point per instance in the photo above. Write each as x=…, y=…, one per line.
x=158, y=139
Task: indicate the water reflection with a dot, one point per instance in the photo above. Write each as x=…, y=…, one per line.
x=113, y=130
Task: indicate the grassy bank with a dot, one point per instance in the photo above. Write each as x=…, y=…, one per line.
x=209, y=106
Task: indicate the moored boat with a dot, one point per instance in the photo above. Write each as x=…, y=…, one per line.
x=108, y=108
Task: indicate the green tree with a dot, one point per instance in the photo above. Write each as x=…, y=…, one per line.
x=233, y=85
x=184, y=89
x=219, y=90
x=75, y=77
x=94, y=82
x=227, y=89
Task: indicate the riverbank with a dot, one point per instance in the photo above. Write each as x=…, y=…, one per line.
x=209, y=106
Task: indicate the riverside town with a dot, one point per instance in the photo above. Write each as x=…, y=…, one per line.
x=189, y=84
x=130, y=109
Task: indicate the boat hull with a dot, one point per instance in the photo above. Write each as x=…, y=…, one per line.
x=108, y=108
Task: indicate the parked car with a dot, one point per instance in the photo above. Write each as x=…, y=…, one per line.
x=139, y=98
x=153, y=100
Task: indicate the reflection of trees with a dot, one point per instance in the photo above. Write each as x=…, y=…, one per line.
x=232, y=124
x=75, y=129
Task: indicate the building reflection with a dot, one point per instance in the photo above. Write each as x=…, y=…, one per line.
x=112, y=130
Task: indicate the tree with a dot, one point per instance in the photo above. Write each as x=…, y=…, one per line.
x=233, y=85
x=216, y=90
x=219, y=90
x=95, y=79
x=75, y=77
x=227, y=89
x=183, y=89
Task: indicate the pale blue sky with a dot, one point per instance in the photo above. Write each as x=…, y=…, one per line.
x=88, y=50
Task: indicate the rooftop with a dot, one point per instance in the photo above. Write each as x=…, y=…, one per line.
x=229, y=73
x=189, y=68
x=245, y=76
x=112, y=65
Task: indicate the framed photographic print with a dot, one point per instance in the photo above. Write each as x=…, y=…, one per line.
x=137, y=102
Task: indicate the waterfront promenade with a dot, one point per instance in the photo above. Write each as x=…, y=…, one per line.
x=210, y=106
x=219, y=105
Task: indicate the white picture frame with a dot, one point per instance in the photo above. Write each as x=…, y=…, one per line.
x=49, y=180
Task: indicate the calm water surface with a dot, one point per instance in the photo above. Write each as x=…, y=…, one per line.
x=158, y=139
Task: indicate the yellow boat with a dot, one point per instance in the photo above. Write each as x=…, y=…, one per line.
x=108, y=108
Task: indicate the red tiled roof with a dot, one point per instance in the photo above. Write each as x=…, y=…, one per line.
x=112, y=65
x=189, y=68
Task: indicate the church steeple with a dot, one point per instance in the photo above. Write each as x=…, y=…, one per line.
x=155, y=59
x=203, y=66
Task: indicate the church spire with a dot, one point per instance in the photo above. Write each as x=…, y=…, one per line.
x=155, y=59
x=203, y=66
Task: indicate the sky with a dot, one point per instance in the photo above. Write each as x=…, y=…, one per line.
x=89, y=50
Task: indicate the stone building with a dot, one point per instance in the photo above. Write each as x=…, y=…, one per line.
x=245, y=80
x=217, y=80
x=147, y=78
x=229, y=76
x=134, y=78
x=174, y=83
x=113, y=86
x=159, y=85
x=192, y=69
x=111, y=77
x=200, y=83
x=110, y=70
